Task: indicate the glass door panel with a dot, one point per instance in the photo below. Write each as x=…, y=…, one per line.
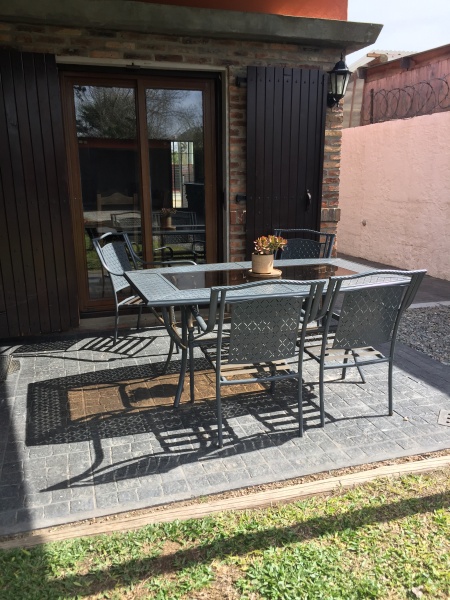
x=106, y=128
x=177, y=172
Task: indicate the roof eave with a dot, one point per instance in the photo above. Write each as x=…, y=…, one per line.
x=119, y=15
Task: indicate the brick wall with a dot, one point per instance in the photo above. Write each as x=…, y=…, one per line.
x=176, y=52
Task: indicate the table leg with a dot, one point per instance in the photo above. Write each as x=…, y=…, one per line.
x=184, y=353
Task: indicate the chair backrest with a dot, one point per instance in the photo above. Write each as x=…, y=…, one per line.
x=180, y=218
x=117, y=256
x=184, y=217
x=126, y=221
x=306, y=243
x=117, y=201
x=372, y=304
x=265, y=317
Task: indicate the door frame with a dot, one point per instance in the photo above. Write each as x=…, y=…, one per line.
x=210, y=85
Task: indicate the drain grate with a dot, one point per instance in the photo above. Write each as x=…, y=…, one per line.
x=444, y=418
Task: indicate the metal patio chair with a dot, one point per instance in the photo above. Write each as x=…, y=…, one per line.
x=372, y=305
x=260, y=342
x=306, y=243
x=116, y=255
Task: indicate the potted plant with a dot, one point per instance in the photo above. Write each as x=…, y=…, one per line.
x=262, y=257
x=166, y=217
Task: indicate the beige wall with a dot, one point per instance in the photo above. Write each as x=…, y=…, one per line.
x=395, y=193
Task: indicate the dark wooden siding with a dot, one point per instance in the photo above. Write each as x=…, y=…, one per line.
x=285, y=138
x=38, y=291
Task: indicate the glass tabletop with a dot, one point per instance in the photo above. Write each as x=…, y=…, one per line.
x=208, y=279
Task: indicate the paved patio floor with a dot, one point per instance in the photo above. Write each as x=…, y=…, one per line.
x=87, y=429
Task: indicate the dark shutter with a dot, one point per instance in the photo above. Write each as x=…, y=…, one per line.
x=37, y=266
x=285, y=139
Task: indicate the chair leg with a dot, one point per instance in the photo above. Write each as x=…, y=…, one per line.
x=138, y=326
x=184, y=351
x=191, y=361
x=300, y=406
x=344, y=370
x=361, y=374
x=173, y=322
x=321, y=393
x=272, y=383
x=391, y=401
x=116, y=325
x=219, y=411
x=191, y=375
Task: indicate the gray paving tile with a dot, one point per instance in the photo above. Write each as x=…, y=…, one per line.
x=128, y=496
x=151, y=493
x=30, y=517
x=36, y=500
x=106, y=501
x=57, y=509
x=82, y=505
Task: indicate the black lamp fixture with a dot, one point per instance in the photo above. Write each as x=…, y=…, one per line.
x=337, y=82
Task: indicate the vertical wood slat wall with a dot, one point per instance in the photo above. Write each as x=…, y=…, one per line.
x=38, y=292
x=285, y=145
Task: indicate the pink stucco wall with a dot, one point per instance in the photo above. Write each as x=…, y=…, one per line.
x=395, y=193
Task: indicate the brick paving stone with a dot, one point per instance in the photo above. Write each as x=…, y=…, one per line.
x=175, y=487
x=128, y=496
x=61, y=495
x=126, y=484
x=57, y=509
x=7, y=504
x=150, y=493
x=260, y=470
x=197, y=484
x=216, y=479
x=82, y=505
x=29, y=516
x=355, y=453
x=106, y=501
x=8, y=520
x=41, y=499
x=40, y=452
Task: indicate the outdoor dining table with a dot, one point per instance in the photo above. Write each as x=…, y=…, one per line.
x=187, y=286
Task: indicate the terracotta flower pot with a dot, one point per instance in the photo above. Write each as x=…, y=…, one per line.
x=262, y=263
x=166, y=223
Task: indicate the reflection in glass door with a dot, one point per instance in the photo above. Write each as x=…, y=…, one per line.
x=177, y=172
x=109, y=170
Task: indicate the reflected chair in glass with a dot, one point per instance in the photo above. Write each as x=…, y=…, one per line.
x=305, y=243
x=184, y=239
x=260, y=343
x=116, y=255
x=129, y=223
x=117, y=201
x=370, y=306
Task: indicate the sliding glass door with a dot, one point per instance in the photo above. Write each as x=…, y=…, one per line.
x=142, y=159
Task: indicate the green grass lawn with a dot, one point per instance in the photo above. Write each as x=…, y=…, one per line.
x=387, y=539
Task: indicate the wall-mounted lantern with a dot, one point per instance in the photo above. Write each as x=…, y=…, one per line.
x=337, y=82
